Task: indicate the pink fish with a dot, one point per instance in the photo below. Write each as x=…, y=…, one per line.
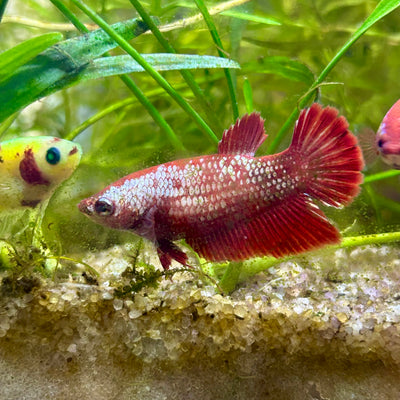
x=388, y=137
x=386, y=142
x=234, y=206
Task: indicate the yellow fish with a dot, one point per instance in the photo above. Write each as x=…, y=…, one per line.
x=31, y=168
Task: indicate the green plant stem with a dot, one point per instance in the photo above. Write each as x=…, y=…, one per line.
x=123, y=103
x=368, y=190
x=96, y=117
x=381, y=175
x=7, y=123
x=383, y=8
x=69, y=15
x=229, y=272
x=153, y=112
x=186, y=74
x=214, y=34
x=248, y=95
x=162, y=123
x=90, y=268
x=149, y=69
x=254, y=266
x=231, y=276
x=385, y=204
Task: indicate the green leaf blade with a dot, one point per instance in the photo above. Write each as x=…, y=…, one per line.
x=58, y=66
x=12, y=59
x=251, y=18
x=282, y=66
x=117, y=65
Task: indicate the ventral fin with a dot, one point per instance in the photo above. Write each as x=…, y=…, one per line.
x=168, y=251
x=286, y=228
x=244, y=137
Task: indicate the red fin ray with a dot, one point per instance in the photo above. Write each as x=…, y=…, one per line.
x=317, y=128
x=168, y=251
x=332, y=153
x=287, y=228
x=244, y=137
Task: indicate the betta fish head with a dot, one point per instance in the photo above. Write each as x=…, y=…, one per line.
x=42, y=164
x=388, y=137
x=49, y=159
x=388, y=146
x=61, y=159
x=112, y=207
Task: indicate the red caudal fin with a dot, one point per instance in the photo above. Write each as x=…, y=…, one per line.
x=328, y=167
x=245, y=137
x=330, y=153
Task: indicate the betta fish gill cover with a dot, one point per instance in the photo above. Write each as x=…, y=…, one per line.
x=199, y=200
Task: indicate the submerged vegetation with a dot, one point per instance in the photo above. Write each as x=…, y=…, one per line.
x=340, y=53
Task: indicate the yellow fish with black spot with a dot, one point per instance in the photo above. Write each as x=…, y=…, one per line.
x=31, y=168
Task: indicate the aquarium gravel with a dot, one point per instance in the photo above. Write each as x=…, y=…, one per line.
x=302, y=312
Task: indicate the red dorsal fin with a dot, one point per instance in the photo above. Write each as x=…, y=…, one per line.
x=284, y=228
x=245, y=137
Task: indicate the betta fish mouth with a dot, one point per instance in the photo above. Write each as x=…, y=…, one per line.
x=392, y=159
x=86, y=207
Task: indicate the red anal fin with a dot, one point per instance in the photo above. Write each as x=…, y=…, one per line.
x=294, y=226
x=168, y=251
x=245, y=137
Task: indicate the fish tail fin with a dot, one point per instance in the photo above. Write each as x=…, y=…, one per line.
x=330, y=154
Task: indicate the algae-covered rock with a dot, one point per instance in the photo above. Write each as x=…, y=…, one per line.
x=310, y=329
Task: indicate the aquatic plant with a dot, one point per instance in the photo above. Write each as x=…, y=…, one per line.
x=286, y=52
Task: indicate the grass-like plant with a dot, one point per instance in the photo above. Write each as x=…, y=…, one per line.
x=289, y=55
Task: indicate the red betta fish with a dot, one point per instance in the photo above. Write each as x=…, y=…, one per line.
x=234, y=206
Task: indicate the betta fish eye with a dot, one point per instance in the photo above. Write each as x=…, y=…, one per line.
x=53, y=156
x=103, y=207
x=380, y=143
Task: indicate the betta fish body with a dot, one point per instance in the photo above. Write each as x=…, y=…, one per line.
x=31, y=168
x=234, y=206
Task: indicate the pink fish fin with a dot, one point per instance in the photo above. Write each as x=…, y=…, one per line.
x=287, y=227
x=366, y=138
x=244, y=137
x=330, y=154
x=168, y=251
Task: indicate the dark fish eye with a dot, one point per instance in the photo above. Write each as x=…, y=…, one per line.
x=103, y=207
x=380, y=143
x=53, y=156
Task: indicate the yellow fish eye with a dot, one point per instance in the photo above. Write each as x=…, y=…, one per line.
x=53, y=155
